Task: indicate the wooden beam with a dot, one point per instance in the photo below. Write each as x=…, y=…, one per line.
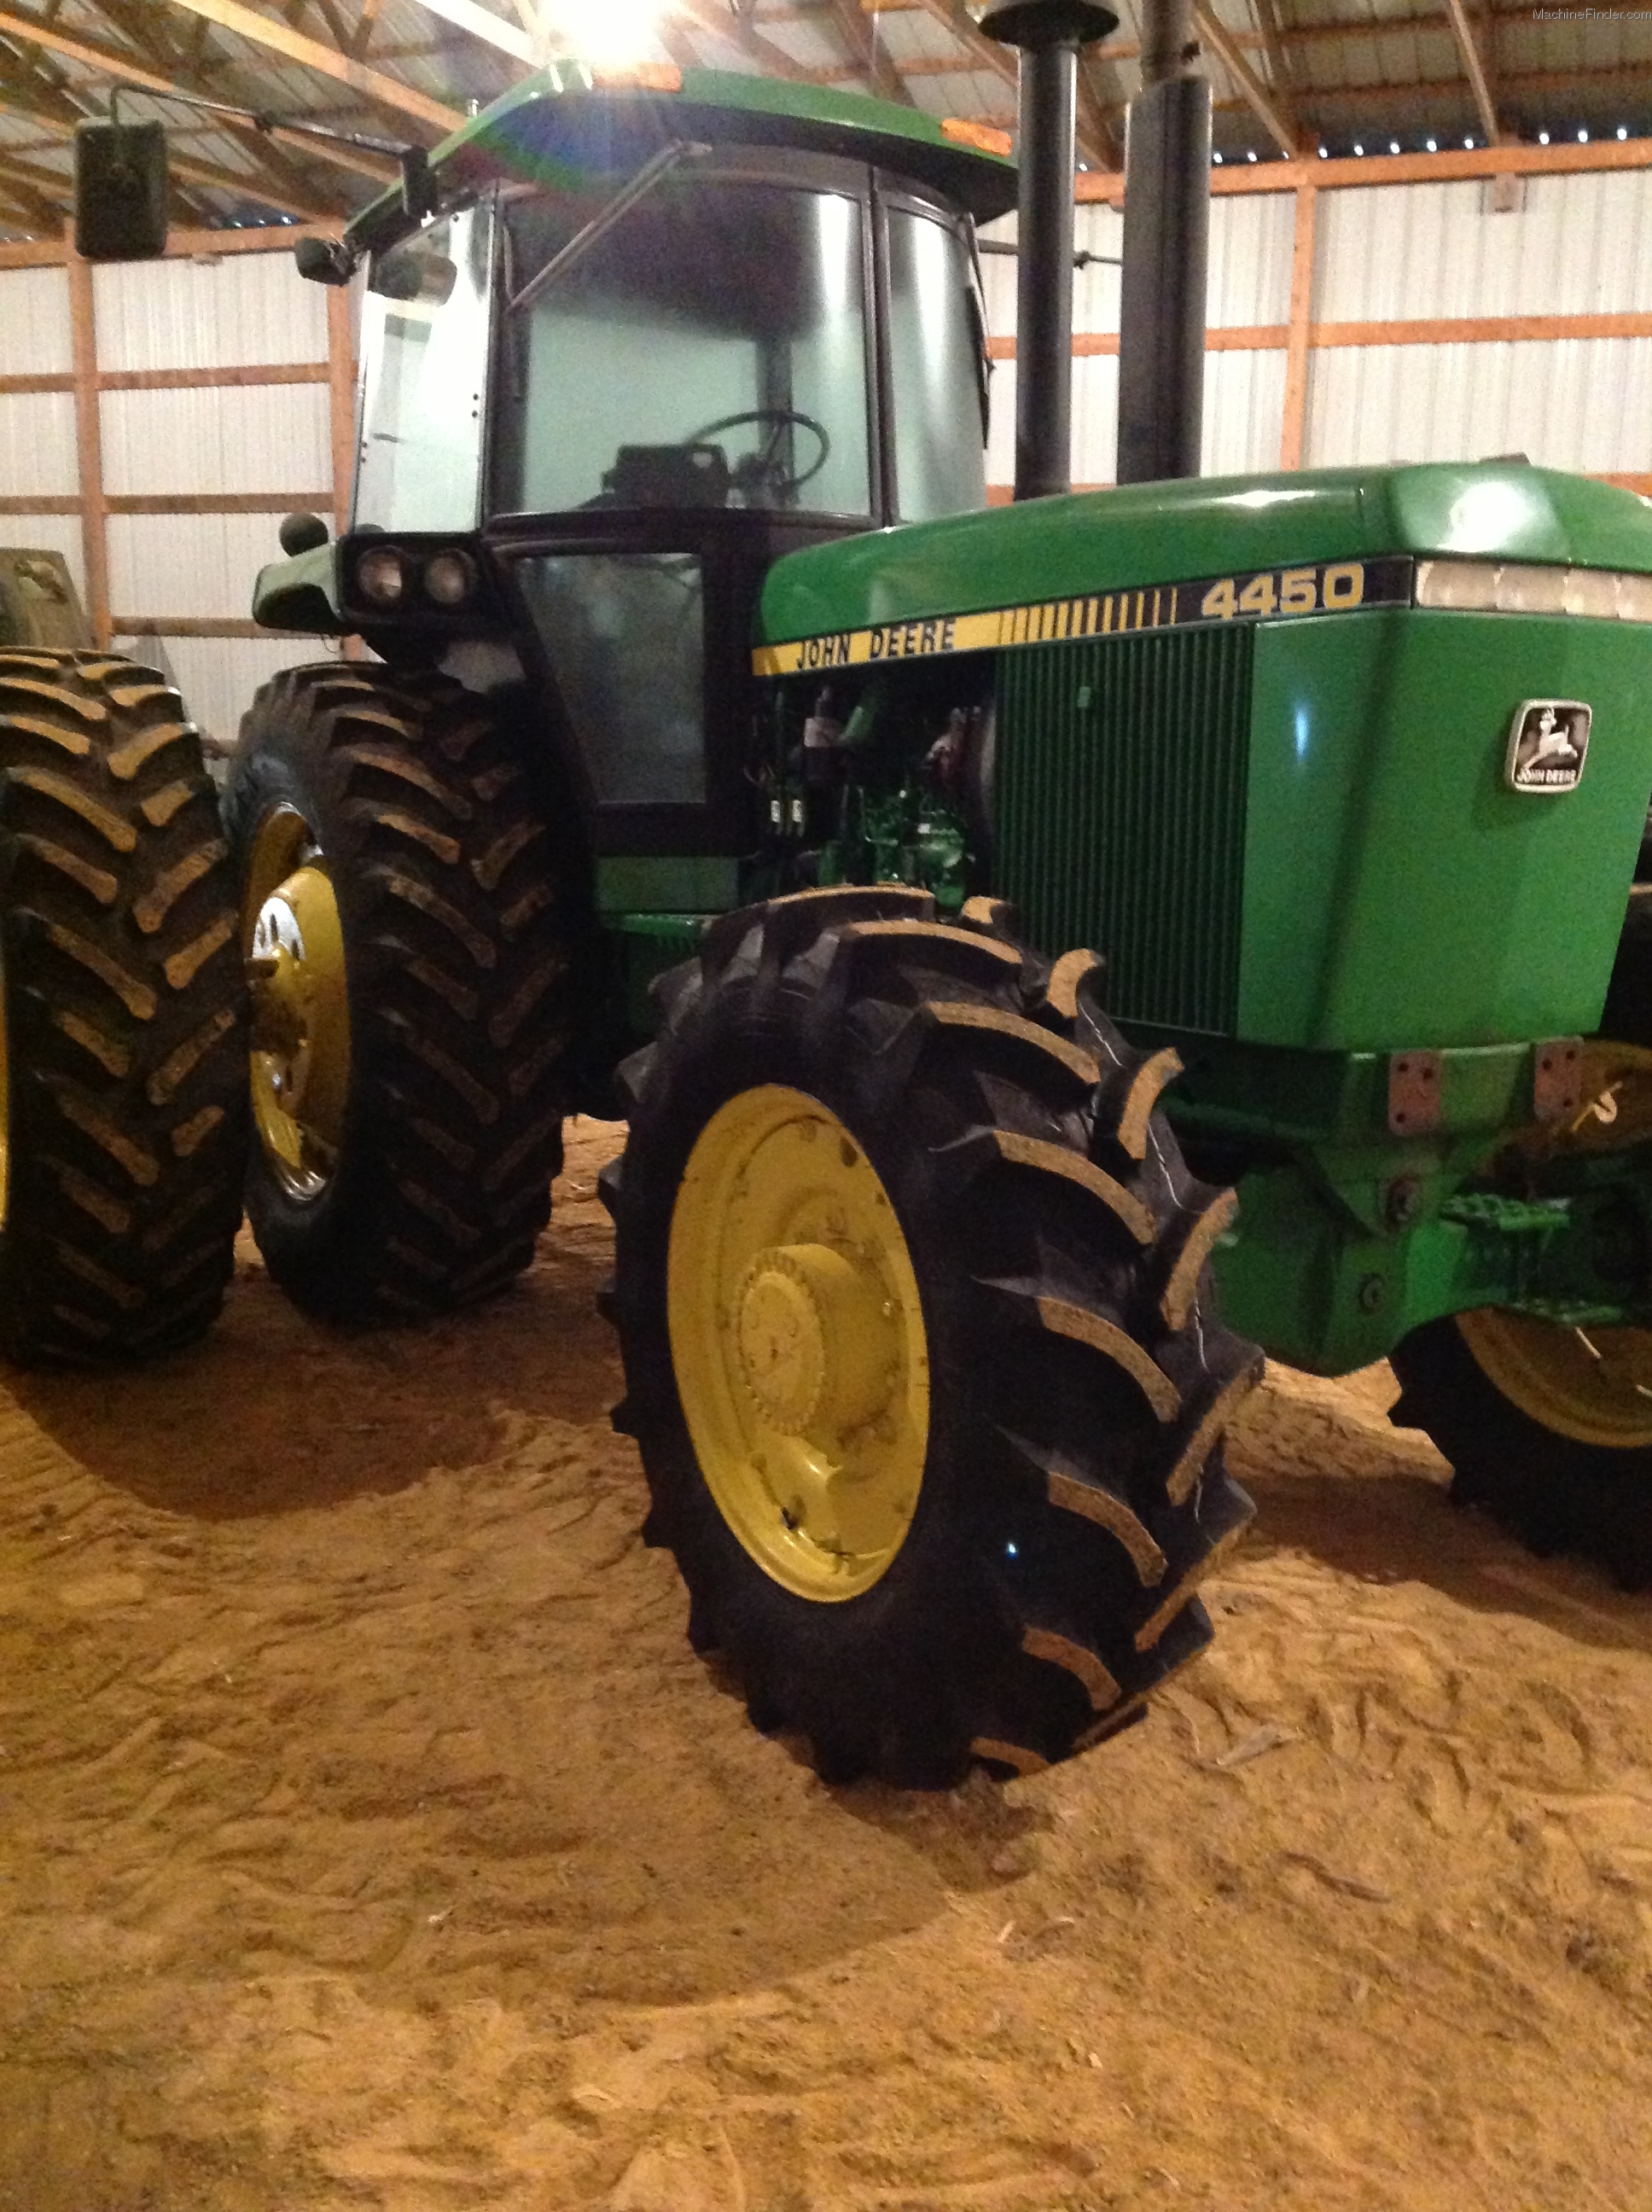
x=38, y=504
x=1474, y=69
x=212, y=379
x=341, y=402
x=860, y=34
x=89, y=445
x=1294, y=429
x=482, y=23
x=371, y=11
x=280, y=37
x=714, y=16
x=1451, y=163
x=221, y=503
x=1279, y=337
x=181, y=244
x=1215, y=34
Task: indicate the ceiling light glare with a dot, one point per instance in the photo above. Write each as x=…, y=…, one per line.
x=1622, y=132
x=1583, y=137
x=1251, y=156
x=1325, y=153
x=1393, y=145
x=1469, y=142
x=1542, y=138
x=610, y=33
x=1359, y=150
x=1433, y=145
x=1216, y=158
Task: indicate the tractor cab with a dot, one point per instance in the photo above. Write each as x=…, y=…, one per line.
x=646, y=344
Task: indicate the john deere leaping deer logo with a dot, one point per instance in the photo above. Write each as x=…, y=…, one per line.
x=1547, y=742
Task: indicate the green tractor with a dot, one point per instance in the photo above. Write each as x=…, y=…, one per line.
x=961, y=906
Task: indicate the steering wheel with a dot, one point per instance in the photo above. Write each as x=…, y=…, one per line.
x=761, y=471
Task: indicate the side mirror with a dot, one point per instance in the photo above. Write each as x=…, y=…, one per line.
x=120, y=191
x=302, y=533
x=324, y=260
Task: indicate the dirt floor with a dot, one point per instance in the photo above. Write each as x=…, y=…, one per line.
x=370, y=1838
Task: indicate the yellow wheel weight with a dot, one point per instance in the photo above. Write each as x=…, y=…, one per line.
x=798, y=1342
x=293, y=945
x=1593, y=1385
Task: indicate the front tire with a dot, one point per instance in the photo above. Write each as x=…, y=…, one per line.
x=917, y=1342
x=407, y=923
x=122, y=1016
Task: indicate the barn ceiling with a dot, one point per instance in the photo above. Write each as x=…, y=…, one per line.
x=1288, y=76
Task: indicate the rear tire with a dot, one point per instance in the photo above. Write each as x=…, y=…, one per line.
x=406, y=1147
x=1047, y=1357
x=122, y=1098
x=1555, y=1492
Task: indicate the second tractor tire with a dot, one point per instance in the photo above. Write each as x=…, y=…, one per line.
x=407, y=1087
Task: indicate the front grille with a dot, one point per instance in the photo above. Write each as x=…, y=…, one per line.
x=1120, y=805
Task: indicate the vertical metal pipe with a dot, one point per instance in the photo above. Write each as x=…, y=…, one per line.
x=1043, y=343
x=1050, y=34
x=1167, y=197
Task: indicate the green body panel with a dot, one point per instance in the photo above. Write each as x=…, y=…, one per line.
x=667, y=884
x=1162, y=533
x=300, y=593
x=1397, y=892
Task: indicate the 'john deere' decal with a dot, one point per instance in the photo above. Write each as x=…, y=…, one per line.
x=1332, y=587
x=1548, y=741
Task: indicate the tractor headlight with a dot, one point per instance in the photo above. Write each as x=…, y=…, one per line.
x=381, y=576
x=450, y=578
x=1530, y=587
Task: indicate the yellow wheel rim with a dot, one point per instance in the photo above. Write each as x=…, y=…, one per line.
x=1593, y=1385
x=798, y=1342
x=293, y=943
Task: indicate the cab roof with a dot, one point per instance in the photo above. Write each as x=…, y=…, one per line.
x=573, y=127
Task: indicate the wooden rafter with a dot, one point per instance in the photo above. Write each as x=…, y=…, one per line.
x=280, y=37
x=367, y=24
x=738, y=30
x=859, y=32
x=1216, y=36
x=37, y=195
x=1474, y=69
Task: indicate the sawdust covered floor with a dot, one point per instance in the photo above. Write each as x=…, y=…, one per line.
x=369, y=1837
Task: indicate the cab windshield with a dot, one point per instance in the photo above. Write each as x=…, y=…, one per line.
x=708, y=349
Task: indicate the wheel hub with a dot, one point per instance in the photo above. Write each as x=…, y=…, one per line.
x=300, y=1006
x=817, y=1340
x=1592, y=1385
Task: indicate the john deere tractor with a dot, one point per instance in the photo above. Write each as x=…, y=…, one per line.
x=960, y=905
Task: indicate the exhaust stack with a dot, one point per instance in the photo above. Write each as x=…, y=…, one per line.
x=1167, y=220
x=1048, y=34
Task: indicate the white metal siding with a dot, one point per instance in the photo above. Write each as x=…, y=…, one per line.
x=1583, y=403
x=244, y=311
x=271, y=437
x=34, y=338
x=189, y=564
x=1579, y=246
x=37, y=445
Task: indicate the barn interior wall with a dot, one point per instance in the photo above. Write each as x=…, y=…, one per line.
x=1573, y=247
